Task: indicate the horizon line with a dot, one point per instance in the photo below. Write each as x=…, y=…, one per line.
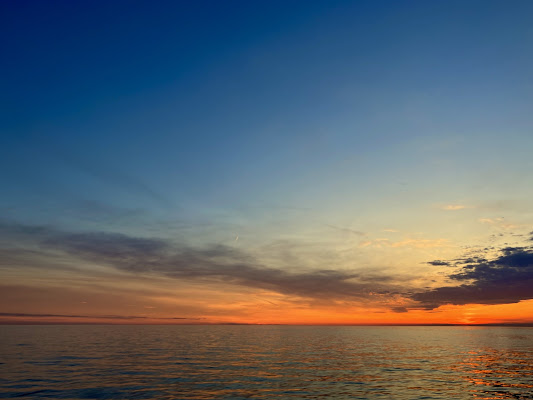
x=497, y=324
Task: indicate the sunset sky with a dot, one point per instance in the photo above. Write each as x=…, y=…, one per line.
x=294, y=162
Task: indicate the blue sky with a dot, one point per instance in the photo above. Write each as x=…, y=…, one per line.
x=267, y=121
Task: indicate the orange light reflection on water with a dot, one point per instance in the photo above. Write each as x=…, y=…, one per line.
x=494, y=376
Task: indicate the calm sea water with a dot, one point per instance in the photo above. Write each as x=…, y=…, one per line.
x=265, y=362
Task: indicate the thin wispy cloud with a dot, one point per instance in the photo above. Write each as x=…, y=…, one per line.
x=347, y=230
x=414, y=243
x=500, y=223
x=453, y=207
x=108, y=174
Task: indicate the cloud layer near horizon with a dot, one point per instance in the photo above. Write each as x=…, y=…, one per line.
x=113, y=317
x=508, y=278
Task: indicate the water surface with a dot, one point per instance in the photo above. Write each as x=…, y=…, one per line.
x=265, y=362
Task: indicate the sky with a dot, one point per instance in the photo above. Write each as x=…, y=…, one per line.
x=266, y=162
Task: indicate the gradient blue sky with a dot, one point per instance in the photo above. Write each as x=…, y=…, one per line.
x=303, y=133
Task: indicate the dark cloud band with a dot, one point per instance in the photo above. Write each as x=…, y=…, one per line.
x=506, y=279
x=218, y=263
x=121, y=317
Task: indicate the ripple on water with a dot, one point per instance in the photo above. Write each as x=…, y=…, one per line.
x=265, y=362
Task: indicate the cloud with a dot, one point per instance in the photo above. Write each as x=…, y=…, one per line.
x=453, y=207
x=110, y=246
x=414, y=243
x=439, y=263
x=107, y=174
x=347, y=230
x=505, y=279
x=126, y=317
x=499, y=223
x=399, y=309
x=214, y=263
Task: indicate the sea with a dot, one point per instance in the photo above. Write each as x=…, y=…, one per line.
x=265, y=362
